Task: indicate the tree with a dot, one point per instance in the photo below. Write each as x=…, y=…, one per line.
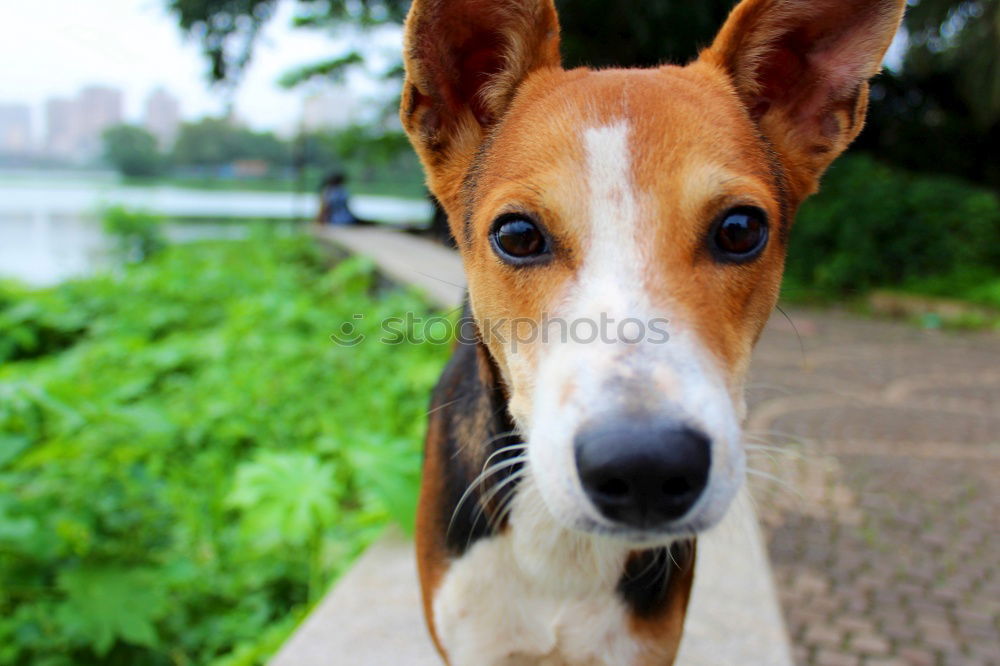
x=940, y=112
x=961, y=39
x=649, y=33
x=207, y=142
x=646, y=35
x=217, y=141
x=228, y=29
x=132, y=151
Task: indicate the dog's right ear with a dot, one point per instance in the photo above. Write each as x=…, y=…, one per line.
x=464, y=61
x=801, y=68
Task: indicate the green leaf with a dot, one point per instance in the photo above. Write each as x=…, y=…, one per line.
x=286, y=498
x=104, y=605
x=392, y=474
x=11, y=446
x=332, y=69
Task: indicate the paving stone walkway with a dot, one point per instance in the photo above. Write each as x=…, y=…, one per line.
x=881, y=497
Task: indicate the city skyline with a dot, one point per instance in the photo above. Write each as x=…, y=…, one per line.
x=136, y=45
x=72, y=124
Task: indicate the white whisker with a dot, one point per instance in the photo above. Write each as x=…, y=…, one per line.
x=500, y=487
x=776, y=480
x=510, y=447
x=485, y=474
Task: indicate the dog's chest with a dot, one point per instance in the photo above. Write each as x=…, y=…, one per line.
x=535, y=595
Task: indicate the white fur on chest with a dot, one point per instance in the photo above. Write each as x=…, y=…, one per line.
x=537, y=594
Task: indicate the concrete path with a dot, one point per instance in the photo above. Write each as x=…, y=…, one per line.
x=407, y=259
x=734, y=617
x=371, y=617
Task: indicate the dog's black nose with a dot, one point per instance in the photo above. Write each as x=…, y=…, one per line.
x=642, y=474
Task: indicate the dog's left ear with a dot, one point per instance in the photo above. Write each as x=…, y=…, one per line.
x=464, y=61
x=801, y=68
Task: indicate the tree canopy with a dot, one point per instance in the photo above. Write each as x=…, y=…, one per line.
x=132, y=151
x=940, y=111
x=214, y=141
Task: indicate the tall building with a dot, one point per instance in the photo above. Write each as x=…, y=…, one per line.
x=99, y=107
x=163, y=116
x=74, y=126
x=61, y=130
x=15, y=129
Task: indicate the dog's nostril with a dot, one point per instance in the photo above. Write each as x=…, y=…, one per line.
x=676, y=486
x=613, y=488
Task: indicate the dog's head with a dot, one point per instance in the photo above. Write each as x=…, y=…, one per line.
x=624, y=231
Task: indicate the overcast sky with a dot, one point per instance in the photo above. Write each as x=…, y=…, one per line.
x=54, y=47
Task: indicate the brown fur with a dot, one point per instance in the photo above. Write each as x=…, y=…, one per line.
x=432, y=556
x=663, y=630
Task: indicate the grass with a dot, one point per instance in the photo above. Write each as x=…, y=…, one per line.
x=979, y=287
x=966, y=301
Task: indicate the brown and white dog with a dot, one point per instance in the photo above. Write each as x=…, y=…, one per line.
x=566, y=476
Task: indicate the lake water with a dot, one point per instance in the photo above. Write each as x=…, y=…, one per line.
x=50, y=228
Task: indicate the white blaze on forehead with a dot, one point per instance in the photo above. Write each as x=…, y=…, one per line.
x=609, y=180
x=611, y=267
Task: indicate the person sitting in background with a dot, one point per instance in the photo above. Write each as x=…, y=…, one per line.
x=334, y=207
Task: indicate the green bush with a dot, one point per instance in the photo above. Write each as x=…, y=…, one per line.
x=138, y=234
x=874, y=226
x=187, y=460
x=132, y=151
x=35, y=324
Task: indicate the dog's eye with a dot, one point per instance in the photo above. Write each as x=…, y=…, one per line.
x=518, y=240
x=739, y=235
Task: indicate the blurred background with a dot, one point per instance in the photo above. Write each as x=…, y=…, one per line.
x=187, y=462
